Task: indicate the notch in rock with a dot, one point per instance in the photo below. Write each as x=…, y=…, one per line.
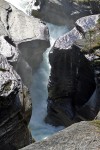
x=36, y=3
x=10, y=41
x=80, y=29
x=9, y=10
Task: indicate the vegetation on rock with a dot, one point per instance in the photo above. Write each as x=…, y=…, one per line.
x=90, y=45
x=96, y=123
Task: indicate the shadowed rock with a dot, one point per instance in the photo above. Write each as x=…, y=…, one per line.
x=15, y=107
x=8, y=147
x=72, y=79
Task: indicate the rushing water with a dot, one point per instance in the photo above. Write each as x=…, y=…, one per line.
x=38, y=89
x=39, y=92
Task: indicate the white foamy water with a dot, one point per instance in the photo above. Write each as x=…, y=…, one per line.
x=39, y=94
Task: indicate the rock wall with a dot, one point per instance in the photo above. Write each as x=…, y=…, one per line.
x=72, y=80
x=15, y=110
x=23, y=39
x=27, y=35
x=60, y=12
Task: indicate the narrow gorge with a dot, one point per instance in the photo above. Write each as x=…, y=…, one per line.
x=49, y=74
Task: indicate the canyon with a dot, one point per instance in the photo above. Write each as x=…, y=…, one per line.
x=74, y=80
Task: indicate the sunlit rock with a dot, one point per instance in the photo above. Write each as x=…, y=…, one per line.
x=27, y=36
x=23, y=40
x=9, y=80
x=8, y=50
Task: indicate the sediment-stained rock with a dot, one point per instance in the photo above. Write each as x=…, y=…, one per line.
x=72, y=80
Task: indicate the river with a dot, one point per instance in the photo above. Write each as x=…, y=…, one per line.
x=40, y=130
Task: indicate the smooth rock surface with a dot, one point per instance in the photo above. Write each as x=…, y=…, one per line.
x=84, y=135
x=27, y=35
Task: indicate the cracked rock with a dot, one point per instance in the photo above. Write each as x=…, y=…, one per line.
x=9, y=79
x=8, y=50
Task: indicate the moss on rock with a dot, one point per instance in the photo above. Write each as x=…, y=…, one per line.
x=96, y=123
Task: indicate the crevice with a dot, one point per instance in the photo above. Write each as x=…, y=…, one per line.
x=10, y=41
x=9, y=10
x=36, y=3
x=80, y=30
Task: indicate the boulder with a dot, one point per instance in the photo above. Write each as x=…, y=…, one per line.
x=27, y=35
x=84, y=135
x=73, y=88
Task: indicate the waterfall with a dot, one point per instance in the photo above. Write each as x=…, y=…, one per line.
x=38, y=90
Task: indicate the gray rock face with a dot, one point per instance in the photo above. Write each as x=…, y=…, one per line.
x=25, y=101
x=9, y=81
x=72, y=80
x=80, y=136
x=8, y=50
x=58, y=12
x=98, y=116
x=23, y=40
x=27, y=36
x=31, y=44
x=30, y=28
x=15, y=107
